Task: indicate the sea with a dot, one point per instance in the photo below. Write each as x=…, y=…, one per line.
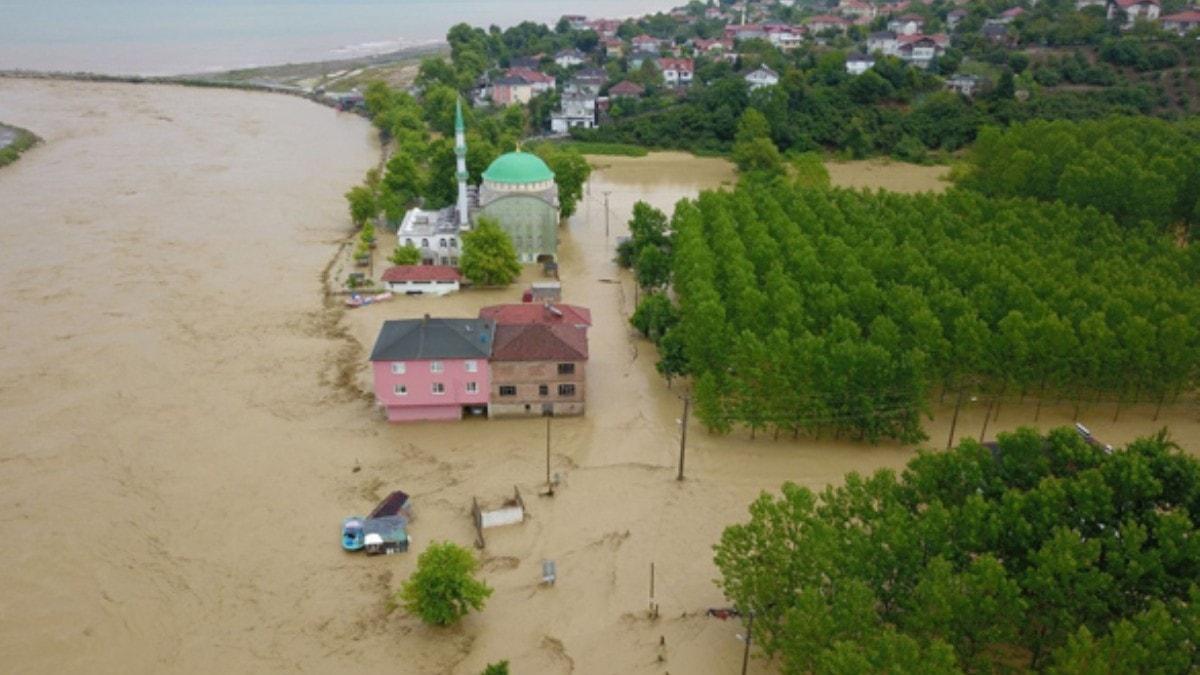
x=172, y=37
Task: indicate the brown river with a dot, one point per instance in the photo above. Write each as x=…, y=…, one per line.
x=183, y=422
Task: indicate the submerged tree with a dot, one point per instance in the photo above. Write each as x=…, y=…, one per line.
x=444, y=589
x=1042, y=553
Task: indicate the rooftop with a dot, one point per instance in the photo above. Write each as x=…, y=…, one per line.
x=529, y=312
x=422, y=273
x=433, y=338
x=540, y=342
x=518, y=167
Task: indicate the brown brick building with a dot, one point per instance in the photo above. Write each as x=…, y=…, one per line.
x=539, y=360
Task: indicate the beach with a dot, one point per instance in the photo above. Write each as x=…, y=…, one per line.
x=185, y=418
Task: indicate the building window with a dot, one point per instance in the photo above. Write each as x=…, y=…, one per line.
x=543, y=390
x=508, y=390
x=397, y=367
x=436, y=367
x=442, y=243
x=472, y=387
x=566, y=369
x=424, y=243
x=453, y=242
x=454, y=261
x=472, y=366
x=401, y=390
x=439, y=388
x=408, y=241
x=566, y=390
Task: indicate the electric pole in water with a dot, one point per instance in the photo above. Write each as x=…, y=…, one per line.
x=606, y=194
x=687, y=403
x=549, y=485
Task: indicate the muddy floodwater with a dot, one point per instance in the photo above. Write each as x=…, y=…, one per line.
x=185, y=419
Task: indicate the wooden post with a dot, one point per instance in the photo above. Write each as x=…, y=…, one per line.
x=687, y=403
x=549, y=485
x=954, y=420
x=653, y=605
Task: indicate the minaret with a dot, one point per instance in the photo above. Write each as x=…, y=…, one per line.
x=460, y=150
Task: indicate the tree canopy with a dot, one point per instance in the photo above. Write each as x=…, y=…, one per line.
x=488, y=256
x=444, y=589
x=1036, y=552
x=836, y=311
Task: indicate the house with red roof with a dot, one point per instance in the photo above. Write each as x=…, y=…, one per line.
x=825, y=22
x=1129, y=11
x=1182, y=22
x=676, y=72
x=626, y=89
x=422, y=279
x=539, y=359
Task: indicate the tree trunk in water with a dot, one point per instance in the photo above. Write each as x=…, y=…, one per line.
x=1000, y=396
x=987, y=414
x=954, y=420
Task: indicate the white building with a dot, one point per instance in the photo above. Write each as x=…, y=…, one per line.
x=569, y=58
x=576, y=110
x=422, y=279
x=761, y=77
x=1130, y=11
x=884, y=42
x=676, y=72
x=857, y=64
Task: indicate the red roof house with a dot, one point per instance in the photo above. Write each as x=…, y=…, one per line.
x=526, y=313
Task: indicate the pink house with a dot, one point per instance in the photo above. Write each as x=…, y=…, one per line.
x=433, y=369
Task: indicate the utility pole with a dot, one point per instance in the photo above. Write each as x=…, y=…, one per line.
x=653, y=605
x=687, y=403
x=549, y=485
x=606, y=194
x=749, y=636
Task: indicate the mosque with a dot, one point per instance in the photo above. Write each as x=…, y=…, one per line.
x=518, y=191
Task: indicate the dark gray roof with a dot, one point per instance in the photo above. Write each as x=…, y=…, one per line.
x=432, y=338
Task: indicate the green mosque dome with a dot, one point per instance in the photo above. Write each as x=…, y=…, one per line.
x=518, y=167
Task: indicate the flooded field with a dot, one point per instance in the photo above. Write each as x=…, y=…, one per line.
x=888, y=175
x=185, y=419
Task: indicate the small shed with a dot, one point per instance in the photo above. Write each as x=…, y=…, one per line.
x=422, y=279
x=543, y=291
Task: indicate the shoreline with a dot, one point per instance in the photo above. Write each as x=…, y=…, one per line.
x=274, y=79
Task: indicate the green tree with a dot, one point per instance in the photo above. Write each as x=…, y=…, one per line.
x=655, y=315
x=363, y=205
x=488, y=256
x=653, y=267
x=571, y=172
x=406, y=255
x=443, y=589
x=498, y=668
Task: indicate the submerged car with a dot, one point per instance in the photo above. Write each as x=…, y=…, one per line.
x=352, y=534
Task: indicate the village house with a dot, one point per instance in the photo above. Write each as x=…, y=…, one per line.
x=967, y=85
x=676, y=72
x=921, y=50
x=432, y=368
x=760, y=77
x=1182, y=22
x=526, y=62
x=538, y=81
x=575, y=110
x=955, y=17
x=995, y=32
x=626, y=89
x=907, y=24
x=422, y=279
x=614, y=48
x=712, y=12
x=714, y=46
x=857, y=64
x=857, y=9
x=822, y=23
x=1129, y=11
x=605, y=28
x=646, y=44
x=434, y=233
x=538, y=364
x=750, y=31
x=569, y=58
x=588, y=81
x=783, y=37
x=883, y=42
x=575, y=21
x=511, y=89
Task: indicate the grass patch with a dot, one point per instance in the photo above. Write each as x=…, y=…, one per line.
x=22, y=140
x=615, y=149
